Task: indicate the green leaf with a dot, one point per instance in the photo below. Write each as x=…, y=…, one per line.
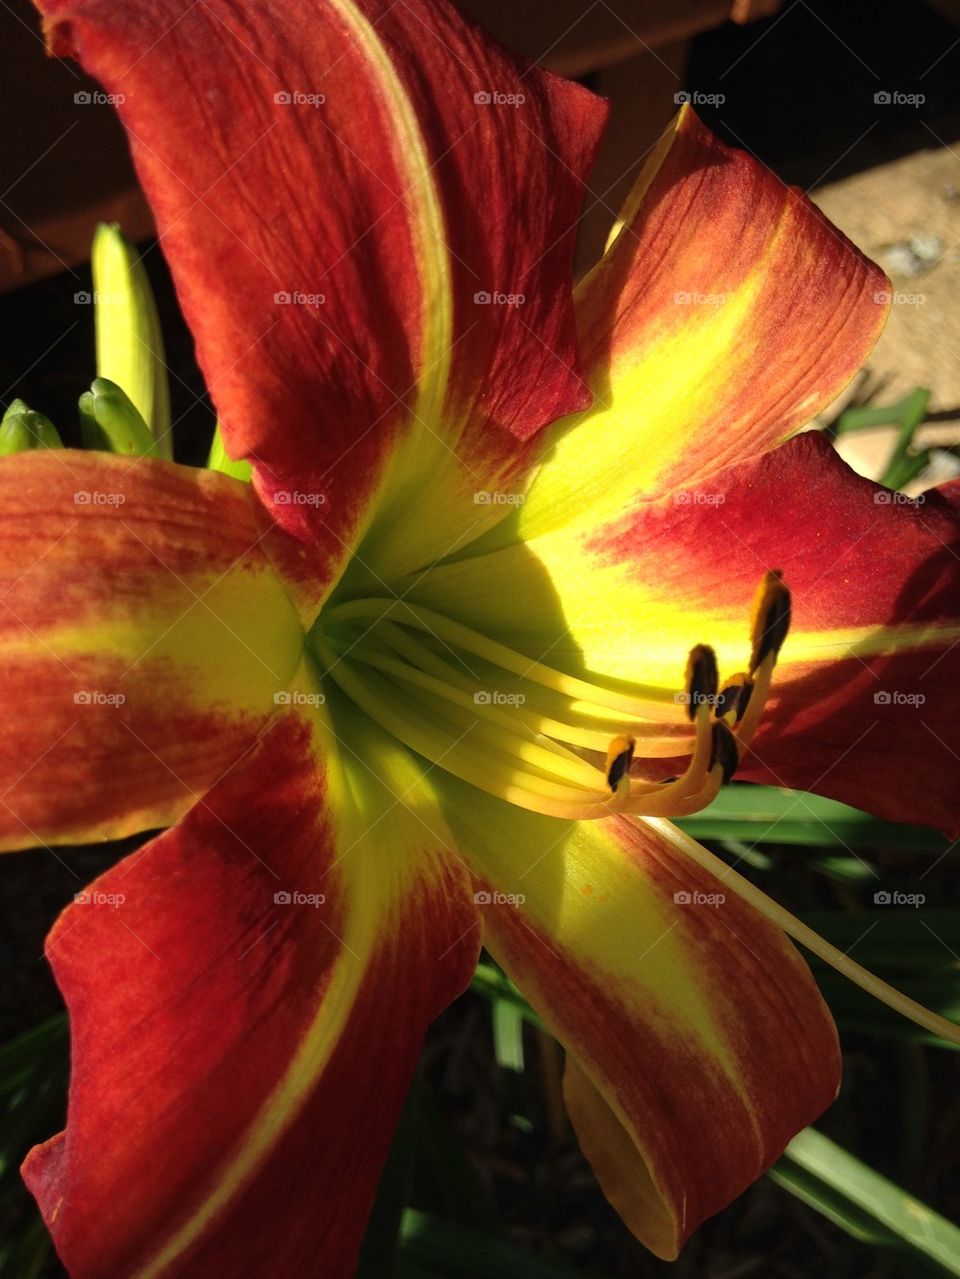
x=508, y=1035
x=445, y=1180
x=493, y=985
x=866, y=1205
x=25, y=1253
x=129, y=342
x=911, y=408
x=19, y=1057
x=33, y=1086
x=902, y=466
x=776, y=815
x=435, y=1249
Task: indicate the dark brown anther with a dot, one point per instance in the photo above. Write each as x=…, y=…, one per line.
x=770, y=617
x=723, y=751
x=619, y=758
x=702, y=678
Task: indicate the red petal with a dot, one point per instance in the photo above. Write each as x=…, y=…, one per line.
x=697, y=1042
x=239, y=1062
x=875, y=581
x=863, y=707
x=725, y=315
x=145, y=636
x=398, y=199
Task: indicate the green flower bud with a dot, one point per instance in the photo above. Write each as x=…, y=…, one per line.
x=129, y=343
x=23, y=429
x=110, y=422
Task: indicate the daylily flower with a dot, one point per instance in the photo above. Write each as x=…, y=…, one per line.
x=418, y=685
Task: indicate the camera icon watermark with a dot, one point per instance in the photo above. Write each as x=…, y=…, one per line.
x=97, y=98
x=694, y=98
x=698, y=497
x=294, y=98
x=93, y=897
x=890, y=297
x=295, y=297
x=889, y=497
x=895, y=697
x=493, y=497
x=494, y=697
x=294, y=497
x=94, y=697
x=694, y=897
x=897, y=98
x=884, y=898
x=492, y=98
x=93, y=497
x=296, y=898
x=293, y=697
x=484, y=897
x=484, y=297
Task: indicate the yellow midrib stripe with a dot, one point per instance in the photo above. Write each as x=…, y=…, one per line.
x=288, y=1098
x=428, y=233
x=427, y=230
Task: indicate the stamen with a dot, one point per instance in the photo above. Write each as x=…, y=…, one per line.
x=755, y=696
x=724, y=751
x=702, y=678
x=647, y=700
x=770, y=617
x=576, y=728
x=733, y=698
x=514, y=783
x=619, y=759
x=538, y=737
x=501, y=728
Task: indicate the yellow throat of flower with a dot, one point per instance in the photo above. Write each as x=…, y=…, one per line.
x=532, y=735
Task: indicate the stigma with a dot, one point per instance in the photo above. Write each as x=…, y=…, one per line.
x=571, y=747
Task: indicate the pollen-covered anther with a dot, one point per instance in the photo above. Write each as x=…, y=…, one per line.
x=619, y=758
x=769, y=624
x=769, y=619
x=545, y=739
x=733, y=698
x=724, y=752
x=703, y=680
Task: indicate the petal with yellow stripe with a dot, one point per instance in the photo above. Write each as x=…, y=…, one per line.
x=873, y=651
x=375, y=236
x=697, y=1042
x=283, y=947
x=145, y=637
x=725, y=314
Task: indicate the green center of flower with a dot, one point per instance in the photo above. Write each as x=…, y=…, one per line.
x=539, y=737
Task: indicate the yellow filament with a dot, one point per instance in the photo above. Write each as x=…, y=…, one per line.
x=499, y=729
x=806, y=936
x=577, y=728
x=523, y=755
x=513, y=783
x=649, y=697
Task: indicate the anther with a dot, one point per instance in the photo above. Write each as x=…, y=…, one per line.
x=702, y=678
x=770, y=617
x=733, y=699
x=619, y=759
x=723, y=751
